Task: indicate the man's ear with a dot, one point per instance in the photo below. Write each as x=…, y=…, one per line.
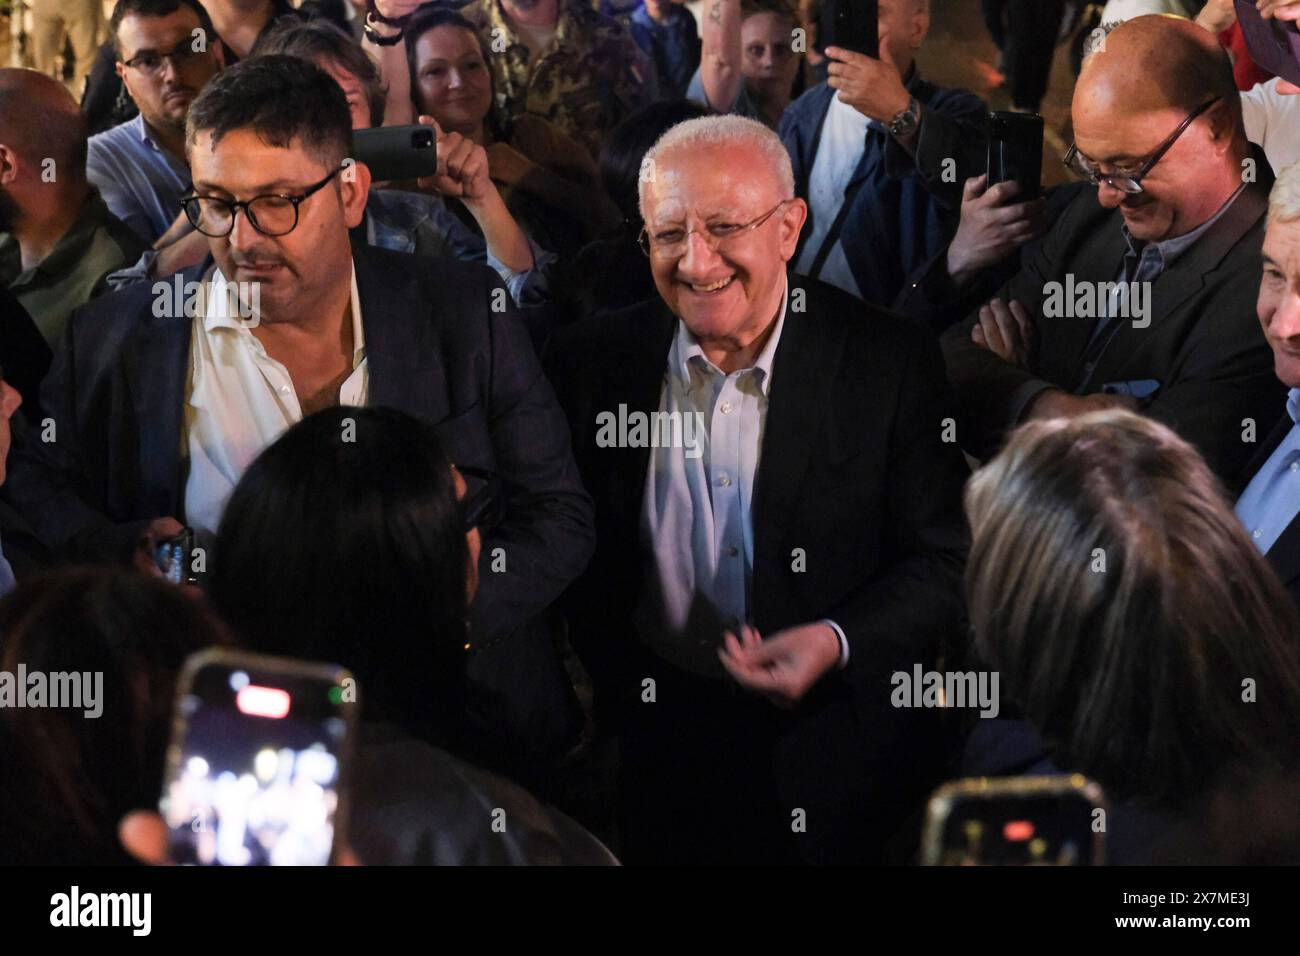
x=218, y=52
x=355, y=188
x=8, y=164
x=792, y=220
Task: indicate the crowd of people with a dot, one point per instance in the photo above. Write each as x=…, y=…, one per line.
x=628, y=457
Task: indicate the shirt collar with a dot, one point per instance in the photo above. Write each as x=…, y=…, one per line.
x=686, y=349
x=72, y=245
x=1293, y=405
x=215, y=299
x=1168, y=250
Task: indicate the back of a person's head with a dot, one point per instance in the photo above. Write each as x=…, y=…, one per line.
x=40, y=121
x=1126, y=609
x=317, y=40
x=282, y=99
x=621, y=156
x=344, y=541
x=119, y=639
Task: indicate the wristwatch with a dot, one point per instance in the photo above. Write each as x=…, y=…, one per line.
x=377, y=38
x=905, y=120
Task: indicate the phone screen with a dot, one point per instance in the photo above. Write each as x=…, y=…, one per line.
x=1019, y=830
x=255, y=767
x=1016, y=152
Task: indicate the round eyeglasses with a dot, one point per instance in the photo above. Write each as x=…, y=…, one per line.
x=271, y=214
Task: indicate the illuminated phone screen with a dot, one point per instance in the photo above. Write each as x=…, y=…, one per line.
x=254, y=772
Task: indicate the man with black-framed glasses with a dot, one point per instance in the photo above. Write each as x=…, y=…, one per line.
x=161, y=401
x=166, y=52
x=1142, y=293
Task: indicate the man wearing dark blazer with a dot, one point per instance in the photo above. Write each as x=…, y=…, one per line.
x=161, y=396
x=778, y=528
x=1269, y=486
x=1140, y=294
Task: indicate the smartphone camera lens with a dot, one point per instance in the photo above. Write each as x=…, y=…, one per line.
x=422, y=139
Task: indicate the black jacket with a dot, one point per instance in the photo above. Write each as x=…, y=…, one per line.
x=1203, y=347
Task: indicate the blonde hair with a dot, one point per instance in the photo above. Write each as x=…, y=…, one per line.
x=1114, y=590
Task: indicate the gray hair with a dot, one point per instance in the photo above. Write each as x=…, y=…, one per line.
x=1284, y=199
x=730, y=129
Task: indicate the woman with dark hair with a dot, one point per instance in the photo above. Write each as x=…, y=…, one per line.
x=1144, y=638
x=547, y=178
x=70, y=774
x=344, y=541
x=352, y=539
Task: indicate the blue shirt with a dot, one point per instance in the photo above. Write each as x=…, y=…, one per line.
x=140, y=181
x=1272, y=499
x=7, y=582
x=674, y=46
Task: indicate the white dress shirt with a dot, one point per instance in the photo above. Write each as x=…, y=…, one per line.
x=239, y=400
x=843, y=139
x=697, y=514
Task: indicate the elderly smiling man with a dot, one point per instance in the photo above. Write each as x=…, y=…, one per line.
x=751, y=595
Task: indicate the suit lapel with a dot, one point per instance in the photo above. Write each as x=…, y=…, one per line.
x=154, y=370
x=803, y=374
x=1102, y=256
x=401, y=345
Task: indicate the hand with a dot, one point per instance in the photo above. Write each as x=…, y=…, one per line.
x=1217, y=16
x=991, y=228
x=507, y=165
x=180, y=228
x=786, y=666
x=393, y=9
x=462, y=167
x=143, y=834
x=1005, y=330
x=158, y=531
x=1057, y=403
x=872, y=87
x=1279, y=9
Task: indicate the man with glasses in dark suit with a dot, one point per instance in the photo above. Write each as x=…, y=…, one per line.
x=164, y=393
x=1142, y=293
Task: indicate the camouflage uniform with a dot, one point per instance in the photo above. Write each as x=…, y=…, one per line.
x=589, y=79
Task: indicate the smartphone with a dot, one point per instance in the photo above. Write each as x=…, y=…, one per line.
x=851, y=24
x=1016, y=821
x=174, y=558
x=257, y=767
x=1273, y=44
x=396, y=152
x=1015, y=152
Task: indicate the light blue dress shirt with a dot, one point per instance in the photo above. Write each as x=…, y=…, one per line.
x=141, y=182
x=7, y=582
x=697, y=515
x=1272, y=499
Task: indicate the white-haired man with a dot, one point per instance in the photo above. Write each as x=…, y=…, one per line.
x=1269, y=506
x=792, y=538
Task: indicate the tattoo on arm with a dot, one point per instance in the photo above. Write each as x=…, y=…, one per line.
x=715, y=13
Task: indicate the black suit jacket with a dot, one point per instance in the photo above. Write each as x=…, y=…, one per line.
x=853, y=471
x=1284, y=556
x=435, y=348
x=1204, y=345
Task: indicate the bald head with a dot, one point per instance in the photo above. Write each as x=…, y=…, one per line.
x=40, y=120
x=1155, y=63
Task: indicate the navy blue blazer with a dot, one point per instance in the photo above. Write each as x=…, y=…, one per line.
x=906, y=209
x=435, y=348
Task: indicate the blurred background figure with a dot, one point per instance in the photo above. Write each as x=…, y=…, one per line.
x=77, y=23
x=1143, y=637
x=69, y=779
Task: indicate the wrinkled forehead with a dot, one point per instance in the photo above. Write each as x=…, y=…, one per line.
x=728, y=179
x=1282, y=244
